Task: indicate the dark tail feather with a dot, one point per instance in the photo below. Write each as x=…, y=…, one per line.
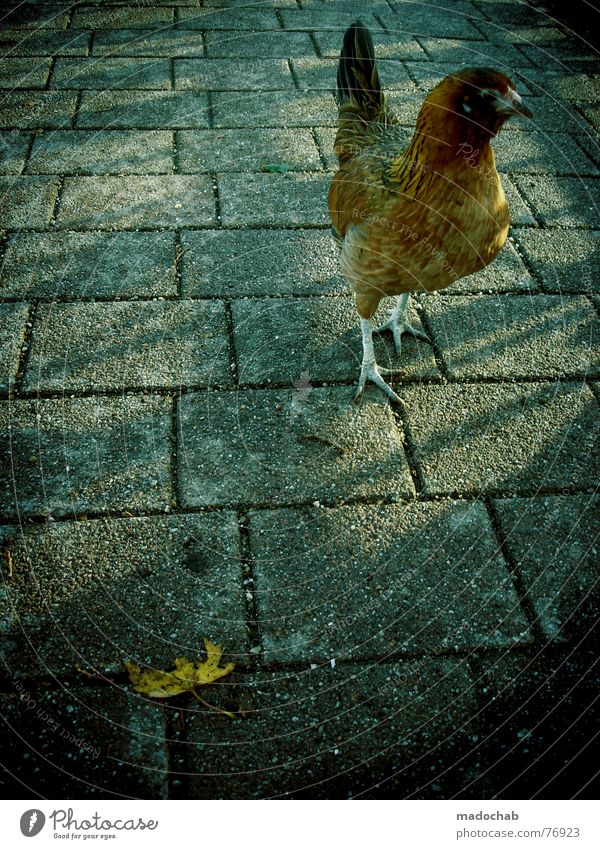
x=357, y=77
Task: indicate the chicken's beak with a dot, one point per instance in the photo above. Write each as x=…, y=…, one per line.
x=512, y=104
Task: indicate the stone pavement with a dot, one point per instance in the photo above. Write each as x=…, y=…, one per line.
x=409, y=595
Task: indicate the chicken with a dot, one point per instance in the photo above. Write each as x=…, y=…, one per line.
x=420, y=218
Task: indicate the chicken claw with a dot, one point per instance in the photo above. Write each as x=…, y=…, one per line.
x=369, y=369
x=398, y=323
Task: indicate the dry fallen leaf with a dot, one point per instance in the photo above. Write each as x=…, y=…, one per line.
x=187, y=675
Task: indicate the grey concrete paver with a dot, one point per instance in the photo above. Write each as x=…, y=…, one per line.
x=113, y=345
x=79, y=455
x=110, y=73
x=27, y=201
x=247, y=18
x=223, y=75
x=507, y=438
x=38, y=16
x=13, y=319
x=334, y=733
x=427, y=21
x=473, y=53
x=87, y=741
x=541, y=153
x=67, y=265
x=246, y=150
x=370, y=581
x=258, y=45
x=515, y=337
x=14, y=146
x=23, y=73
x=165, y=42
x=387, y=46
x=520, y=214
x=280, y=446
x=552, y=541
x=146, y=590
x=118, y=17
x=113, y=203
x=276, y=109
x=67, y=42
x=315, y=73
x=37, y=109
x=268, y=200
x=238, y=263
x=278, y=339
x=144, y=110
x=108, y=152
x=563, y=201
x=564, y=262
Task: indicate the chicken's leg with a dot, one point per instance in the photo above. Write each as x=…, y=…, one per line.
x=398, y=323
x=369, y=369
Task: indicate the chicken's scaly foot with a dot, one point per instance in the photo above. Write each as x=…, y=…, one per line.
x=398, y=323
x=369, y=369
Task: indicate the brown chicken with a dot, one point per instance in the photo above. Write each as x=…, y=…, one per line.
x=420, y=218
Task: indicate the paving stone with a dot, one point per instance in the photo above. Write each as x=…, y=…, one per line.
x=111, y=152
x=37, y=109
x=23, y=73
x=426, y=21
x=141, y=344
x=124, y=16
x=521, y=35
x=551, y=540
x=218, y=263
x=279, y=109
x=282, y=339
x=268, y=200
x=541, y=715
x=67, y=265
x=573, y=56
x=13, y=318
x=507, y=273
x=550, y=116
x=112, y=203
x=575, y=87
x=562, y=201
x=520, y=214
x=539, y=153
x=315, y=73
x=93, y=594
x=223, y=75
x=361, y=581
x=13, y=151
x=505, y=438
x=334, y=17
x=145, y=110
x=475, y=53
x=387, y=45
x=18, y=42
x=280, y=446
x=508, y=336
x=39, y=17
x=168, y=42
x=258, y=45
x=337, y=733
x=106, y=73
x=71, y=455
x=565, y=262
x=592, y=113
x=89, y=741
x=246, y=150
x=246, y=18
x=27, y=201
x=590, y=144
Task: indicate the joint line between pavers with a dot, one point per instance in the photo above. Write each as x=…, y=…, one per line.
x=513, y=568
x=410, y=449
x=255, y=646
x=23, y=359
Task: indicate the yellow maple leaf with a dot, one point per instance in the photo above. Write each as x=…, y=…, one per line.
x=187, y=675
